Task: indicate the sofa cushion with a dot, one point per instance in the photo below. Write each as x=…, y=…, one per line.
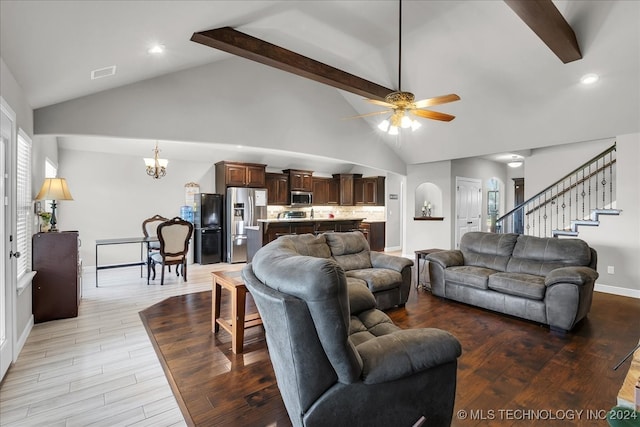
x=488, y=250
x=310, y=245
x=469, y=275
x=370, y=324
x=377, y=279
x=350, y=250
x=540, y=255
x=360, y=297
x=518, y=284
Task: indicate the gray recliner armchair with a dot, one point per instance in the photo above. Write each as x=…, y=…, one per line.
x=338, y=360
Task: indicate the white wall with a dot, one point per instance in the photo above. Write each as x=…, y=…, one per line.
x=13, y=95
x=617, y=239
x=225, y=103
x=113, y=195
x=428, y=234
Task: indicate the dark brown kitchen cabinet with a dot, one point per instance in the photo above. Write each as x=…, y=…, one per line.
x=326, y=191
x=277, y=188
x=369, y=191
x=320, y=191
x=375, y=234
x=236, y=174
x=57, y=288
x=346, y=185
x=299, y=180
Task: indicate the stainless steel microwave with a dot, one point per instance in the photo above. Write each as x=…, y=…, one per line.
x=301, y=198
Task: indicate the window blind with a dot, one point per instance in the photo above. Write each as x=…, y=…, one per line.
x=23, y=205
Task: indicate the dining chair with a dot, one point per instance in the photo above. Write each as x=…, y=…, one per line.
x=174, y=236
x=150, y=230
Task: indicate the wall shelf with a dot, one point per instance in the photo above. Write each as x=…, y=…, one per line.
x=428, y=218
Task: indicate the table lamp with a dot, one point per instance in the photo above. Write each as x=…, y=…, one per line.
x=54, y=189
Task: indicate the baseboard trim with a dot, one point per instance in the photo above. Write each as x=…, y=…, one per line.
x=616, y=290
x=23, y=338
x=392, y=248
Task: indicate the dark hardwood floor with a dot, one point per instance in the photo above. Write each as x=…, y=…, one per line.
x=511, y=373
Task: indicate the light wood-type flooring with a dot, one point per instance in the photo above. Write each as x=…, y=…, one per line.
x=101, y=368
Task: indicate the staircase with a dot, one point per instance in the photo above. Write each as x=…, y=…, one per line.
x=576, y=200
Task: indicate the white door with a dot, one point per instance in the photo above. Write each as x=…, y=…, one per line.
x=7, y=278
x=468, y=206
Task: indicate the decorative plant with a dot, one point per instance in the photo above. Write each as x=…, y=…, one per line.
x=45, y=216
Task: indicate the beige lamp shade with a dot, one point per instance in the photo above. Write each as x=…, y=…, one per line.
x=54, y=189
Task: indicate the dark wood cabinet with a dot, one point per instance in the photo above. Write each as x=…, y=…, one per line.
x=375, y=234
x=57, y=285
x=277, y=188
x=346, y=185
x=236, y=174
x=326, y=191
x=369, y=191
x=270, y=231
x=300, y=180
x=333, y=198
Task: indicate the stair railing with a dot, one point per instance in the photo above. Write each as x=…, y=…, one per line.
x=573, y=197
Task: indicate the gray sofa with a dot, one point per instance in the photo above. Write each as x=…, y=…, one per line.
x=546, y=280
x=387, y=277
x=338, y=360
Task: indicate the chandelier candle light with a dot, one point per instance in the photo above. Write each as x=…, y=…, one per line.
x=54, y=189
x=156, y=168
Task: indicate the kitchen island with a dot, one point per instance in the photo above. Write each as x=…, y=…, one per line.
x=270, y=229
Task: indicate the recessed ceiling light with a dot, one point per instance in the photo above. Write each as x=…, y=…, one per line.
x=156, y=49
x=589, y=79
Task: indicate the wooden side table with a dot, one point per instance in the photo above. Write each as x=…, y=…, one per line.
x=422, y=254
x=232, y=282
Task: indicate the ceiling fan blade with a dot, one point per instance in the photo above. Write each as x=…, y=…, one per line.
x=437, y=100
x=367, y=115
x=434, y=115
x=380, y=103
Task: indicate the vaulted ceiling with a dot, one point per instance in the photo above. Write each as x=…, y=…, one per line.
x=516, y=93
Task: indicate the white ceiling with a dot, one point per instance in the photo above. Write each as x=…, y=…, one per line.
x=516, y=94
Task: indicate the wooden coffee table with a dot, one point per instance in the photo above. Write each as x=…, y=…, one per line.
x=232, y=282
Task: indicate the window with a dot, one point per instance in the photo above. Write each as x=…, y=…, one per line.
x=23, y=204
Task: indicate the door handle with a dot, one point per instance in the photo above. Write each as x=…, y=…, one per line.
x=469, y=222
x=14, y=254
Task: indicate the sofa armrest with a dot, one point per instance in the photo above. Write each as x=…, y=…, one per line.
x=403, y=353
x=573, y=275
x=446, y=258
x=380, y=260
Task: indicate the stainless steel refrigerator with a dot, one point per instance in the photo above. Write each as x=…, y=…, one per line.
x=208, y=228
x=244, y=207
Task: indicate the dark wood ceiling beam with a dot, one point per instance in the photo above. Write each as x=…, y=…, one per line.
x=544, y=18
x=246, y=46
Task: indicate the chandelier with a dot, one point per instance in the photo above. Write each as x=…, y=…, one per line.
x=156, y=168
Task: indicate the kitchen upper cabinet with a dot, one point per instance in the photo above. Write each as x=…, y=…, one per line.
x=300, y=180
x=346, y=184
x=236, y=174
x=369, y=191
x=326, y=191
x=277, y=188
x=320, y=191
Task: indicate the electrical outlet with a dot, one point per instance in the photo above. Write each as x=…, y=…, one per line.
x=611, y=269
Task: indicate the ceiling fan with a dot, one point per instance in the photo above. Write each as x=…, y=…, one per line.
x=403, y=105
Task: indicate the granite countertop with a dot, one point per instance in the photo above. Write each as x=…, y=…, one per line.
x=271, y=221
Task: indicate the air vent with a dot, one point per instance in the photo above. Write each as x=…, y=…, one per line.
x=103, y=72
